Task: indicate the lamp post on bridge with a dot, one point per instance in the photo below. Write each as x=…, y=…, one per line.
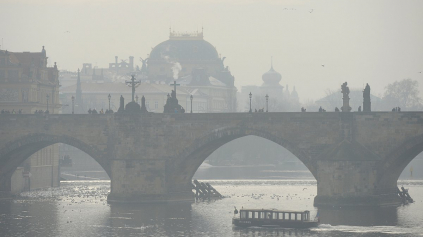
x=47, y=96
x=109, y=97
x=73, y=104
x=267, y=103
x=251, y=95
x=191, y=97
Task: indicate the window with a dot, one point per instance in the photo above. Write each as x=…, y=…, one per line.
x=156, y=104
x=268, y=215
x=244, y=214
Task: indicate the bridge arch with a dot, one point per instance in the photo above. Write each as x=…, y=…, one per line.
x=17, y=151
x=194, y=155
x=397, y=159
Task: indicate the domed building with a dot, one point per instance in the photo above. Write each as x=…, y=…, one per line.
x=189, y=50
x=197, y=67
x=278, y=100
x=271, y=84
x=186, y=58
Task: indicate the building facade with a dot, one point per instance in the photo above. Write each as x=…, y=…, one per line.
x=196, y=65
x=269, y=96
x=28, y=85
x=185, y=58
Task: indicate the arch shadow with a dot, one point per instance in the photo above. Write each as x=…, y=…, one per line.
x=182, y=170
x=17, y=151
x=399, y=157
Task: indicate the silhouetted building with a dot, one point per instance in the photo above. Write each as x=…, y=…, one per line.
x=195, y=64
x=279, y=99
x=28, y=85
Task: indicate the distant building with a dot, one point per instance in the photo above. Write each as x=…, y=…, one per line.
x=195, y=64
x=123, y=67
x=187, y=58
x=95, y=96
x=28, y=85
x=280, y=100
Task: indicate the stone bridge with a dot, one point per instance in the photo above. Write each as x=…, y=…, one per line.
x=356, y=158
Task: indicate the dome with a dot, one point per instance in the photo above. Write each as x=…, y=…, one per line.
x=271, y=78
x=185, y=49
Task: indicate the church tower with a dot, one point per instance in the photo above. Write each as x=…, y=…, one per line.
x=271, y=84
x=79, y=95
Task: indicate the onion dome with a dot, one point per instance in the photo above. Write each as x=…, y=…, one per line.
x=272, y=77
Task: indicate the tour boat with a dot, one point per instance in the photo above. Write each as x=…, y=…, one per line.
x=273, y=218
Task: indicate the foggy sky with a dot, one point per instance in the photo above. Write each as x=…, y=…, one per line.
x=375, y=42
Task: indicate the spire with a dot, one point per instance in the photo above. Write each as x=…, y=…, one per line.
x=79, y=93
x=78, y=83
x=272, y=77
x=294, y=94
x=43, y=51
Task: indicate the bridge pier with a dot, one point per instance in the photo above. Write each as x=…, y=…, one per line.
x=143, y=181
x=349, y=176
x=346, y=183
x=5, y=187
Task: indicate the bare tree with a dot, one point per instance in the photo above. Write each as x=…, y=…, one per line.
x=331, y=96
x=404, y=94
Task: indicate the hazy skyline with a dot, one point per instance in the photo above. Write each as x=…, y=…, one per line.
x=376, y=42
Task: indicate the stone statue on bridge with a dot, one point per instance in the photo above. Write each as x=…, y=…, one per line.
x=366, y=99
x=143, y=108
x=121, y=104
x=346, y=99
x=172, y=105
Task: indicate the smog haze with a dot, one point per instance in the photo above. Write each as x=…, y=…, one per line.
x=375, y=42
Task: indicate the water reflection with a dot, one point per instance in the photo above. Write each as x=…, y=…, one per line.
x=251, y=172
x=364, y=216
x=26, y=218
x=253, y=232
x=151, y=219
x=80, y=209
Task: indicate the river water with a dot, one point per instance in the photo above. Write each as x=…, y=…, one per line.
x=79, y=208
